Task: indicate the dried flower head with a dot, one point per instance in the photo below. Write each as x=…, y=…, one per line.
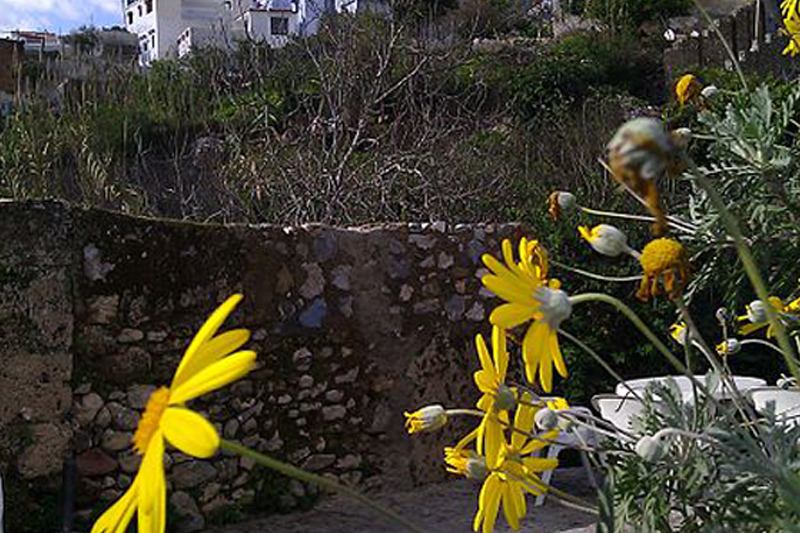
x=639, y=154
x=666, y=262
x=560, y=202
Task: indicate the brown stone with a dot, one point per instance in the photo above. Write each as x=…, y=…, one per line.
x=95, y=462
x=46, y=455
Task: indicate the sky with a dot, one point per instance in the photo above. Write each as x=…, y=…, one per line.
x=59, y=16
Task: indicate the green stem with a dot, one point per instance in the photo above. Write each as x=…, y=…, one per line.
x=592, y=275
x=594, y=355
x=750, y=267
x=308, y=477
x=641, y=326
x=673, y=221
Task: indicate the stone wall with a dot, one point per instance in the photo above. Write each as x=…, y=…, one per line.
x=352, y=327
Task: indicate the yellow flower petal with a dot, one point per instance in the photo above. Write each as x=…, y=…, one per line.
x=152, y=501
x=531, y=348
x=206, y=332
x=538, y=464
x=510, y=509
x=490, y=501
x=483, y=355
x=523, y=421
x=486, y=402
x=555, y=352
x=540, y=441
x=190, y=432
x=510, y=289
x=511, y=315
x=119, y=515
x=209, y=353
x=215, y=376
x=500, y=349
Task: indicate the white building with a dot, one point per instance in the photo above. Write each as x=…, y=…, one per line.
x=173, y=28
x=159, y=23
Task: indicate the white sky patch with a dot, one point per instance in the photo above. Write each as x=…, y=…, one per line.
x=58, y=15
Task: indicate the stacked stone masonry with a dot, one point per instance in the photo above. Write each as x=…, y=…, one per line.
x=352, y=327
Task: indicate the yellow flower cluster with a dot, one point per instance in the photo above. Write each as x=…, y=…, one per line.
x=791, y=22
x=506, y=447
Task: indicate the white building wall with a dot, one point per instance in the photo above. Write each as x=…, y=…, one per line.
x=158, y=29
x=260, y=23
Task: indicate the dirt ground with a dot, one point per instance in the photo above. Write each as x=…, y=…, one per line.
x=443, y=508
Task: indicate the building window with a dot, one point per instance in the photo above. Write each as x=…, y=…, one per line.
x=140, y=11
x=153, y=41
x=279, y=26
x=130, y=17
x=149, y=4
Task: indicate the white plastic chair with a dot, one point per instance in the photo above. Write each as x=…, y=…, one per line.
x=786, y=402
x=619, y=410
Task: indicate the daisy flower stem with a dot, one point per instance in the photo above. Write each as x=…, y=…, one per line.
x=563, y=497
x=696, y=339
x=592, y=275
x=642, y=327
x=750, y=266
x=674, y=222
x=302, y=475
x=596, y=356
x=592, y=427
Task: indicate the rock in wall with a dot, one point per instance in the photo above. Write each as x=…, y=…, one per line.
x=352, y=327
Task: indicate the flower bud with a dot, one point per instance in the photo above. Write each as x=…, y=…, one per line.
x=505, y=398
x=681, y=137
x=554, y=306
x=427, y=419
x=650, y=449
x=678, y=332
x=729, y=347
x=546, y=419
x=561, y=202
x=605, y=239
x=709, y=92
x=757, y=312
x=723, y=315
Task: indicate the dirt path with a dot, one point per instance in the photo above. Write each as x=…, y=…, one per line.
x=444, y=508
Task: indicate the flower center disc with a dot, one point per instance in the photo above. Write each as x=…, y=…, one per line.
x=156, y=405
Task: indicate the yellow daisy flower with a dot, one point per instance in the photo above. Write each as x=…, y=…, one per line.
x=465, y=463
x=678, y=332
x=792, y=30
x=605, y=239
x=664, y=261
x=208, y=364
x=427, y=419
x=497, y=397
x=757, y=315
x=687, y=88
x=517, y=474
x=791, y=21
x=789, y=9
x=530, y=296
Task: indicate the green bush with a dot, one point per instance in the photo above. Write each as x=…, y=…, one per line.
x=623, y=15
